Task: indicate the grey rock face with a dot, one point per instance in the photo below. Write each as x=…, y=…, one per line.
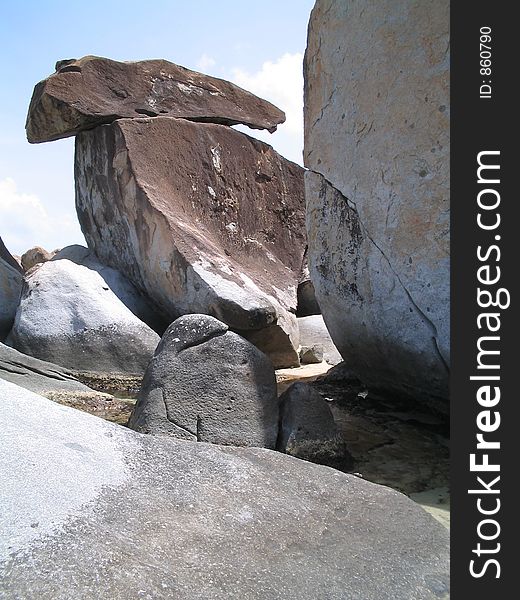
x=94, y=510
x=377, y=146
x=313, y=331
x=11, y=281
x=34, y=374
x=200, y=217
x=69, y=315
x=142, y=307
x=208, y=384
x=307, y=427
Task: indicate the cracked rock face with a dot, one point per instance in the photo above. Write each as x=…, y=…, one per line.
x=208, y=384
x=200, y=217
x=70, y=316
x=377, y=146
x=91, y=91
x=11, y=281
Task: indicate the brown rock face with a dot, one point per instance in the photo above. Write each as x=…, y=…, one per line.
x=201, y=217
x=92, y=91
x=35, y=256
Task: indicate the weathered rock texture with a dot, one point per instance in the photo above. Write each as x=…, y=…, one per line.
x=92, y=91
x=307, y=428
x=377, y=145
x=208, y=384
x=125, y=291
x=94, y=510
x=68, y=315
x=36, y=375
x=201, y=217
x=35, y=256
x=11, y=281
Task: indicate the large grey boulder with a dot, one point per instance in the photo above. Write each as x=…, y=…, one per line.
x=140, y=305
x=208, y=384
x=377, y=147
x=202, y=218
x=36, y=375
x=68, y=315
x=94, y=510
x=91, y=91
x=11, y=281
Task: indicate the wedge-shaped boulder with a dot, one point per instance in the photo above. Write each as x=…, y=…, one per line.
x=208, y=384
x=36, y=375
x=84, y=93
x=202, y=218
x=68, y=315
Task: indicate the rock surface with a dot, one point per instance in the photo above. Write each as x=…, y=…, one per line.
x=11, y=281
x=91, y=509
x=129, y=295
x=35, y=256
x=308, y=430
x=36, y=375
x=201, y=217
x=207, y=384
x=377, y=146
x=91, y=91
x=314, y=331
x=68, y=315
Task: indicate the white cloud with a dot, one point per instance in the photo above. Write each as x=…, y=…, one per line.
x=280, y=82
x=25, y=222
x=205, y=62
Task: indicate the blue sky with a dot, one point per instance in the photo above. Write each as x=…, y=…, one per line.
x=259, y=45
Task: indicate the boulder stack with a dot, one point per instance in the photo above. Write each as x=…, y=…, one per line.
x=202, y=218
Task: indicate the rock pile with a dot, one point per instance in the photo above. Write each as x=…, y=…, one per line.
x=200, y=217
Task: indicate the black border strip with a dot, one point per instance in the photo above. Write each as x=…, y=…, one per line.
x=477, y=125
